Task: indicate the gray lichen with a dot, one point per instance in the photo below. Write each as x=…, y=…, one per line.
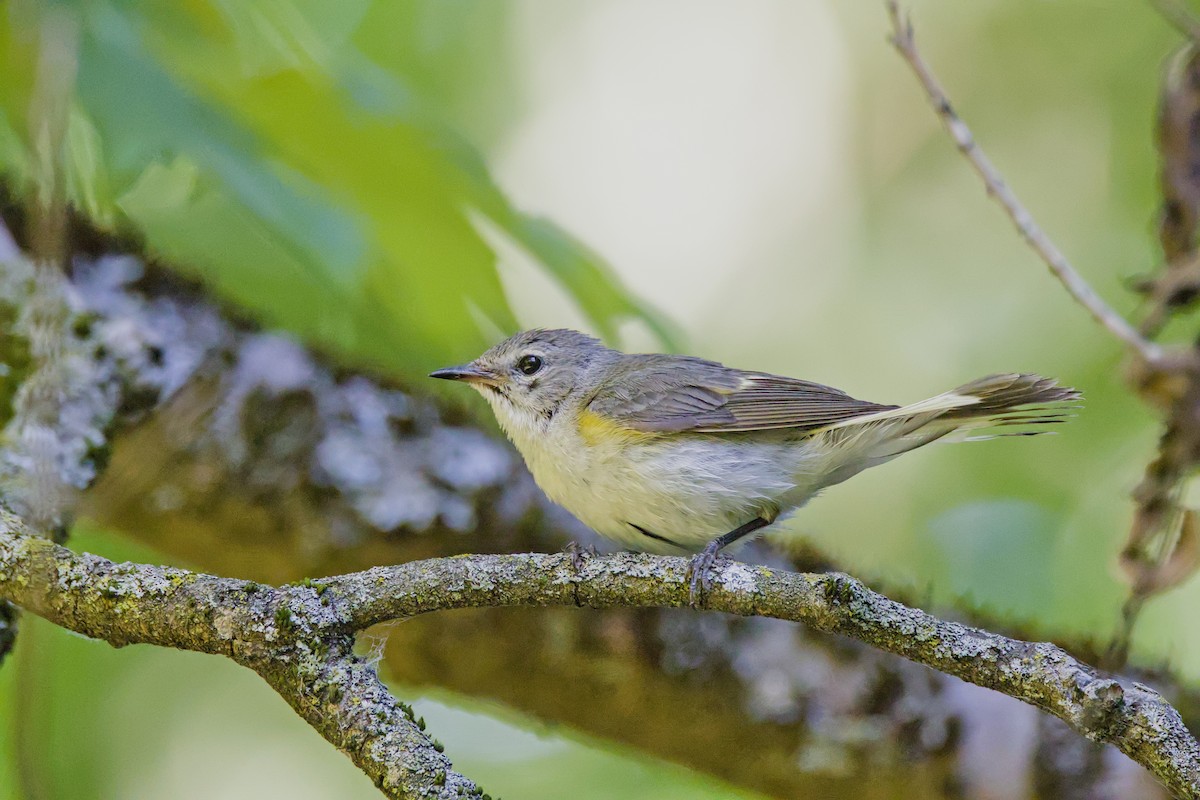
x=62, y=405
x=284, y=420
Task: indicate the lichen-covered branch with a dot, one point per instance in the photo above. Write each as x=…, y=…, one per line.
x=339, y=695
x=293, y=637
x=298, y=638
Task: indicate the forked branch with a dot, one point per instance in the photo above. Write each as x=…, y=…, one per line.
x=298, y=638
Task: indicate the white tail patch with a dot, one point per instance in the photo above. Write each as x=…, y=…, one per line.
x=1027, y=404
x=933, y=405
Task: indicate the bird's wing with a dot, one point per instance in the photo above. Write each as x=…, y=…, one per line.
x=671, y=394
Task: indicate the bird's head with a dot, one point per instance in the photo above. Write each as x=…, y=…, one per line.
x=528, y=377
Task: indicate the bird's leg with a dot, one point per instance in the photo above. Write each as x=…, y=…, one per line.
x=579, y=553
x=702, y=564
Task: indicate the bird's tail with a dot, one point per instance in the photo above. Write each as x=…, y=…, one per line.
x=998, y=405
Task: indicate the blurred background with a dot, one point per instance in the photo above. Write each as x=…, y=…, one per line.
x=396, y=185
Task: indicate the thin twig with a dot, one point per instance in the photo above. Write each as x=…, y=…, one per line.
x=298, y=638
x=902, y=39
x=1182, y=18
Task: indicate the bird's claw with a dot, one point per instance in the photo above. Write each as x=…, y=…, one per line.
x=700, y=573
x=579, y=553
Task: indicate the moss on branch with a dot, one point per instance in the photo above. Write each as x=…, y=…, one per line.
x=299, y=639
x=299, y=644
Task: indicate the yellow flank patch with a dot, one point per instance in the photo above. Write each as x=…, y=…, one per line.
x=596, y=430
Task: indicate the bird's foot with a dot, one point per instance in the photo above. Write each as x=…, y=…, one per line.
x=700, y=572
x=579, y=553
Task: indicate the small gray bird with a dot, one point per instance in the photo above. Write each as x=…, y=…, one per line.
x=674, y=454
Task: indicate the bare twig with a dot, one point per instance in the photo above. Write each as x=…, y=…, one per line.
x=1180, y=16
x=298, y=638
x=903, y=40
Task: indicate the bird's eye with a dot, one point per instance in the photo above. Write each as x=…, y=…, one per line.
x=529, y=364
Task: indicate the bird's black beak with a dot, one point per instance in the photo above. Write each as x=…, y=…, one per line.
x=467, y=372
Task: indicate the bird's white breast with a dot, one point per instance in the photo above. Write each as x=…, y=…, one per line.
x=689, y=488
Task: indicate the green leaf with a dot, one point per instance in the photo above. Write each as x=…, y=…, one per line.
x=297, y=156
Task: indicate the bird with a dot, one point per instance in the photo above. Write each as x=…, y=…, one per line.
x=680, y=455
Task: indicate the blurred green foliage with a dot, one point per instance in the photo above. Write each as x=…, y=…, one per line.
x=302, y=158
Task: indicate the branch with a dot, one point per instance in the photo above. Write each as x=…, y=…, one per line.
x=291, y=636
x=903, y=40
x=299, y=638
x=1179, y=16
